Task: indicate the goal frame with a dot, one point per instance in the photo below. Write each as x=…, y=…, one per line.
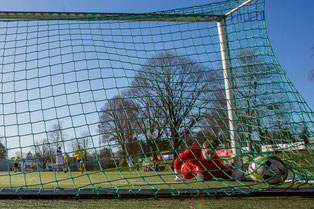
x=220, y=20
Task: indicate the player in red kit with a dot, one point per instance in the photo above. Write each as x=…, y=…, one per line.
x=201, y=162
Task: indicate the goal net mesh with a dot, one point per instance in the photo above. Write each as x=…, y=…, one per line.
x=136, y=90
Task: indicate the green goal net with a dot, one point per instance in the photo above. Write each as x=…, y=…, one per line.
x=123, y=95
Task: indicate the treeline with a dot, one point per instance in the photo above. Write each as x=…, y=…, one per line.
x=174, y=102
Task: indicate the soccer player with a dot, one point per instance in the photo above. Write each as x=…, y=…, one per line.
x=130, y=163
x=23, y=165
x=201, y=162
x=66, y=162
x=59, y=159
x=80, y=155
x=16, y=164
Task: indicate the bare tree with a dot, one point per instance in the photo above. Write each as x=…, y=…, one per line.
x=149, y=124
x=56, y=134
x=29, y=155
x=256, y=96
x=170, y=93
x=282, y=132
x=84, y=141
x=117, y=125
x=43, y=153
x=215, y=122
x=3, y=150
x=105, y=158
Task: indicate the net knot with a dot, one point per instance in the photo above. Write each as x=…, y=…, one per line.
x=58, y=189
x=134, y=191
x=18, y=189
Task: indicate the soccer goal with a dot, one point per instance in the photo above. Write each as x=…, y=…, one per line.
x=106, y=103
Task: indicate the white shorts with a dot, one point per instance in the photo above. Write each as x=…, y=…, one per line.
x=59, y=160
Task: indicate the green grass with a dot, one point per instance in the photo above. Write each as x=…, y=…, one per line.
x=187, y=203
x=112, y=180
x=141, y=180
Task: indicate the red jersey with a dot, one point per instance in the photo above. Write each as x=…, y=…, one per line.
x=192, y=157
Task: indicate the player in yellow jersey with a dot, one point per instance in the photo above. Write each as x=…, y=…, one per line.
x=16, y=164
x=66, y=162
x=80, y=155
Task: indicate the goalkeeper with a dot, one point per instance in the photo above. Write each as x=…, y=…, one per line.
x=201, y=162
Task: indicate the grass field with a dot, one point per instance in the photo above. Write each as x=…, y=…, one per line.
x=187, y=203
x=112, y=180
x=140, y=180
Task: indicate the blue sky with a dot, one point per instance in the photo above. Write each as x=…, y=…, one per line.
x=289, y=23
x=290, y=30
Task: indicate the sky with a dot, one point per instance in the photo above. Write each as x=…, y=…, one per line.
x=290, y=29
x=289, y=25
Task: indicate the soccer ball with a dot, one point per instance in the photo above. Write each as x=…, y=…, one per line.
x=268, y=169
